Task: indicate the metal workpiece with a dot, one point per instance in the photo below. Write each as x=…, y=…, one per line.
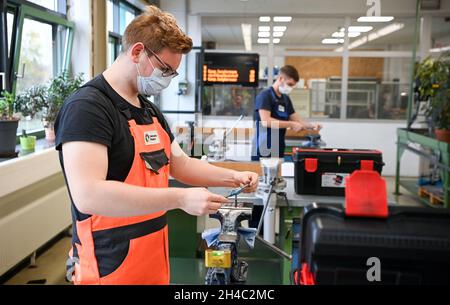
x=231, y=216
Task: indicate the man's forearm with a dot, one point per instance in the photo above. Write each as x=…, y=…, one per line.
x=277, y=124
x=199, y=173
x=118, y=199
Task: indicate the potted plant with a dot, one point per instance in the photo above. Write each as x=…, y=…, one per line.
x=59, y=89
x=8, y=125
x=31, y=101
x=434, y=79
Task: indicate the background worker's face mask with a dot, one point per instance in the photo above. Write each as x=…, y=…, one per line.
x=285, y=89
x=153, y=84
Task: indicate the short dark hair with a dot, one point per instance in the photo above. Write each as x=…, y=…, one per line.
x=290, y=72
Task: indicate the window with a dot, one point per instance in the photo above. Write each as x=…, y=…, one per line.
x=36, y=56
x=39, y=44
x=54, y=5
x=119, y=15
x=10, y=24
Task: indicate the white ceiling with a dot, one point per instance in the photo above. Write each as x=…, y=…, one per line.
x=306, y=30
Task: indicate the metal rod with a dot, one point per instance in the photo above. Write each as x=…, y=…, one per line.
x=274, y=248
x=266, y=204
x=427, y=156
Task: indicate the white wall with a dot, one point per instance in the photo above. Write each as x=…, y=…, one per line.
x=191, y=25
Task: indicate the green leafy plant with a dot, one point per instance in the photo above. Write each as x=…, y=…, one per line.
x=433, y=75
x=31, y=101
x=60, y=88
x=7, y=106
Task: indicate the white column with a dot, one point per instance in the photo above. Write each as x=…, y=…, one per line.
x=425, y=36
x=345, y=63
x=270, y=56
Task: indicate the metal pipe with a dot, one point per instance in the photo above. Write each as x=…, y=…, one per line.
x=274, y=248
x=266, y=204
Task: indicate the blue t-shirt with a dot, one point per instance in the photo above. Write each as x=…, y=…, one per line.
x=280, y=108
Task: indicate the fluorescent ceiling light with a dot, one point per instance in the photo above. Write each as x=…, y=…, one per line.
x=332, y=41
x=264, y=28
x=276, y=40
x=264, y=19
x=338, y=34
x=391, y=28
x=342, y=34
x=263, y=40
x=438, y=50
x=247, y=35
x=263, y=34
x=278, y=34
x=353, y=34
x=282, y=18
x=279, y=28
x=360, y=28
x=375, y=18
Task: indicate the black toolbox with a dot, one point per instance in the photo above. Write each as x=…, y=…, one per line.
x=412, y=246
x=323, y=171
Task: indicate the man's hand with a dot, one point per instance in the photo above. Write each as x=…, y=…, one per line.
x=316, y=126
x=199, y=201
x=296, y=126
x=243, y=178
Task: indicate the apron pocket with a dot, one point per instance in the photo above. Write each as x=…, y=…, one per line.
x=155, y=160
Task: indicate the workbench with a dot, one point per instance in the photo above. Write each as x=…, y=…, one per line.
x=265, y=267
x=440, y=157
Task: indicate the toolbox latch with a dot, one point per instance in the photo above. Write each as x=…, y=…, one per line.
x=311, y=165
x=367, y=165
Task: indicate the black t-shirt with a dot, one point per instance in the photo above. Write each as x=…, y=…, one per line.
x=96, y=113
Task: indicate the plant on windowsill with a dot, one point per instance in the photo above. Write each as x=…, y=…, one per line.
x=59, y=89
x=434, y=78
x=31, y=101
x=8, y=125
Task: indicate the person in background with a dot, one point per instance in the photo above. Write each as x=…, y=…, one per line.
x=236, y=109
x=274, y=114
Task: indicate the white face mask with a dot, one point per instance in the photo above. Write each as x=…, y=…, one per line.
x=285, y=89
x=153, y=84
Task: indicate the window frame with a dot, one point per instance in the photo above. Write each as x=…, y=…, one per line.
x=115, y=35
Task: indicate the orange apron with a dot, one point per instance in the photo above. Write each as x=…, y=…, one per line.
x=131, y=250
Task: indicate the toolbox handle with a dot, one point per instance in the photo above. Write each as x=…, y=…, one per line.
x=311, y=165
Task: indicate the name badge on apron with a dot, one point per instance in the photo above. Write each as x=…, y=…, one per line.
x=281, y=108
x=151, y=137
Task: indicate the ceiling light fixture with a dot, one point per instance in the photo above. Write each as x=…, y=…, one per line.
x=375, y=18
x=263, y=40
x=264, y=28
x=332, y=41
x=264, y=19
x=282, y=19
x=278, y=34
x=263, y=34
x=280, y=28
x=360, y=28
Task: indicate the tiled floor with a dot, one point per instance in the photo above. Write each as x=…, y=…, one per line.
x=50, y=266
